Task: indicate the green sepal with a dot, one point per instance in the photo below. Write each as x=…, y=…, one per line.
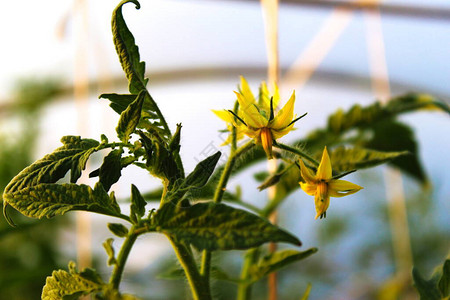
x=216, y=226
x=111, y=169
x=118, y=229
x=130, y=117
x=127, y=50
x=437, y=287
x=277, y=260
x=110, y=251
x=54, y=166
x=49, y=200
x=274, y=178
x=63, y=285
x=137, y=204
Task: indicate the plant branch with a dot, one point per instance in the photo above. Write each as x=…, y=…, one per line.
x=297, y=152
x=200, y=290
x=218, y=195
x=206, y=266
x=116, y=275
x=223, y=181
x=245, y=287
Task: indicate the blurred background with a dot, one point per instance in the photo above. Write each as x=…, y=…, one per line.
x=58, y=56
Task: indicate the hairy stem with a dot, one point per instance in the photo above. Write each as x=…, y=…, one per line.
x=220, y=190
x=245, y=287
x=199, y=288
x=296, y=151
x=205, y=270
x=117, y=272
x=223, y=181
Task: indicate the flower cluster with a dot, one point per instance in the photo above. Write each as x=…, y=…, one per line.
x=258, y=120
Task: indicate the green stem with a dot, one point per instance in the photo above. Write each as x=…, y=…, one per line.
x=158, y=112
x=206, y=266
x=116, y=275
x=296, y=151
x=200, y=290
x=218, y=195
x=223, y=181
x=245, y=287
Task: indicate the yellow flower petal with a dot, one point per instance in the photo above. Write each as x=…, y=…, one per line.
x=276, y=96
x=308, y=188
x=246, y=91
x=285, y=115
x=324, y=171
x=254, y=134
x=279, y=133
x=340, y=188
x=224, y=115
x=264, y=97
x=306, y=173
x=250, y=113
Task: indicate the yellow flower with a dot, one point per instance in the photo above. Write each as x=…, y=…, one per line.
x=258, y=121
x=322, y=185
x=226, y=116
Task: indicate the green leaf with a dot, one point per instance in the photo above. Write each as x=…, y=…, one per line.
x=130, y=117
x=428, y=289
x=177, y=273
x=137, y=203
x=444, y=281
x=199, y=177
x=345, y=159
x=63, y=285
x=119, y=102
x=174, y=145
x=118, y=229
x=52, y=167
x=395, y=136
x=160, y=161
x=214, y=226
x=277, y=260
x=111, y=169
x=361, y=118
x=437, y=287
x=110, y=251
x=127, y=50
x=48, y=200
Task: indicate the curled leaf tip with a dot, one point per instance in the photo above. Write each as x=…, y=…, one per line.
x=136, y=2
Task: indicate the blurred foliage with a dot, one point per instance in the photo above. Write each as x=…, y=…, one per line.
x=28, y=252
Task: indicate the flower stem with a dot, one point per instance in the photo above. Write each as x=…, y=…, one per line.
x=199, y=288
x=116, y=275
x=296, y=151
